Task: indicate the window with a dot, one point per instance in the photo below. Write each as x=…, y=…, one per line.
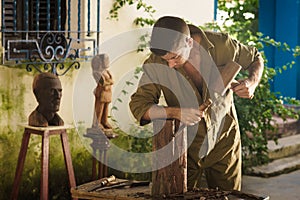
x=48, y=31
x=33, y=16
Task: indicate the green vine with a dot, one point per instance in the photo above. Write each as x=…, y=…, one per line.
x=256, y=116
x=139, y=21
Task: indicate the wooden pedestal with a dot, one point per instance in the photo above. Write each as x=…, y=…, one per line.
x=100, y=145
x=45, y=132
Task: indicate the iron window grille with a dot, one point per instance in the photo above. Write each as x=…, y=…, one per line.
x=48, y=35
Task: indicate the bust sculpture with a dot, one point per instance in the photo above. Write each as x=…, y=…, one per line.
x=47, y=90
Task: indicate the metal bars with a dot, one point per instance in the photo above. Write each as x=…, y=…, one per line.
x=79, y=21
x=15, y=15
x=26, y=15
x=89, y=17
x=40, y=15
x=58, y=15
x=25, y=21
x=69, y=17
x=37, y=15
x=3, y=15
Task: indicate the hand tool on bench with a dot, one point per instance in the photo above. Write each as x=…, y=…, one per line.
x=129, y=183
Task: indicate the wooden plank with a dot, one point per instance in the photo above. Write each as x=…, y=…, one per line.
x=118, y=194
x=143, y=193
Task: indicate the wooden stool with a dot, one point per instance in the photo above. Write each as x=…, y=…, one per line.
x=45, y=132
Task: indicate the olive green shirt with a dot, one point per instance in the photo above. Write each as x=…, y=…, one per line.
x=180, y=91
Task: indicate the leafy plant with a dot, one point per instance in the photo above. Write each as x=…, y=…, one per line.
x=256, y=115
x=139, y=141
x=256, y=119
x=140, y=4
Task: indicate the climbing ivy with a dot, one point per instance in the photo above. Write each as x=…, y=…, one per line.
x=140, y=4
x=256, y=115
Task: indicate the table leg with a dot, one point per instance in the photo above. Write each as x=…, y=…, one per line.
x=45, y=166
x=68, y=160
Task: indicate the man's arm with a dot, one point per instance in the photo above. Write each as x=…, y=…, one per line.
x=247, y=86
x=188, y=116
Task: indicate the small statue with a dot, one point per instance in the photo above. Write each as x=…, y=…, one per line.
x=103, y=92
x=47, y=91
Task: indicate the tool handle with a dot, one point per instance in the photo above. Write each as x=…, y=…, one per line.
x=203, y=107
x=108, y=180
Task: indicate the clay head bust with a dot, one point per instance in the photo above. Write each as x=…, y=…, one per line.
x=99, y=64
x=48, y=91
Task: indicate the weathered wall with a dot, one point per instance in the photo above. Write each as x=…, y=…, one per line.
x=125, y=62
x=17, y=100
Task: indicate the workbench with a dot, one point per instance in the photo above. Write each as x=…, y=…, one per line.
x=143, y=192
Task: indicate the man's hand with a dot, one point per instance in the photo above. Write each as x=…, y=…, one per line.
x=191, y=116
x=188, y=116
x=244, y=88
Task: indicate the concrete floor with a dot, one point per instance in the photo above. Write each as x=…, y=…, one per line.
x=282, y=187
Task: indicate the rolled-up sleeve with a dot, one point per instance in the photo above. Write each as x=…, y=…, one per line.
x=227, y=48
x=246, y=54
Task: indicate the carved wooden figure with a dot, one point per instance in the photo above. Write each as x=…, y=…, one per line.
x=101, y=130
x=103, y=91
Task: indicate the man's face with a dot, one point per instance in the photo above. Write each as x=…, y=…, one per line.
x=49, y=94
x=179, y=57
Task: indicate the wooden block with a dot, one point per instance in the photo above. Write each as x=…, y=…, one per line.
x=171, y=179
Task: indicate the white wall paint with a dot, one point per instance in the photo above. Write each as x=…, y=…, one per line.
x=195, y=11
x=122, y=66
x=80, y=88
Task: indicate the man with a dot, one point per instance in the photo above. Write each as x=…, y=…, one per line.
x=48, y=91
x=183, y=71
